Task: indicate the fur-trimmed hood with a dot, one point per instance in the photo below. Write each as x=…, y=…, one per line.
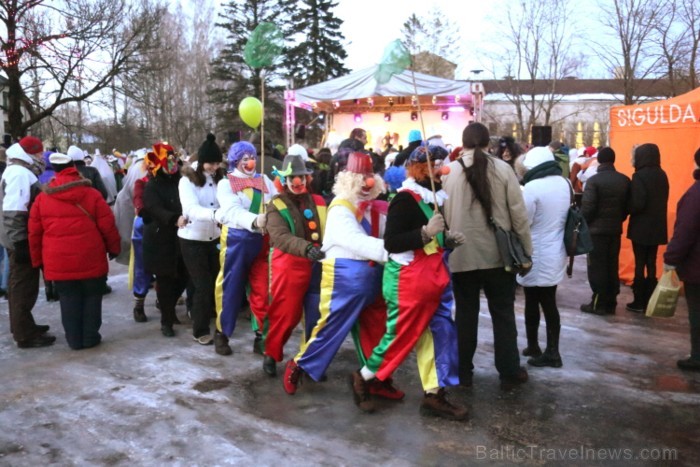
x=63, y=185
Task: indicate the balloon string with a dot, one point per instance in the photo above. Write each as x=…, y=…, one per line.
x=262, y=138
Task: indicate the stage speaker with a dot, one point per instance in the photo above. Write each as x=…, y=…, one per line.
x=234, y=136
x=541, y=135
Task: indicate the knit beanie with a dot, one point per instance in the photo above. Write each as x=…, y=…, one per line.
x=414, y=135
x=237, y=151
x=31, y=145
x=606, y=155
x=75, y=153
x=209, y=151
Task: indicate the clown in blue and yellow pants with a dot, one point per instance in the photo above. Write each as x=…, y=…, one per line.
x=244, y=260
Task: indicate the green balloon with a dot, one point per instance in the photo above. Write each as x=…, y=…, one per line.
x=263, y=46
x=251, y=111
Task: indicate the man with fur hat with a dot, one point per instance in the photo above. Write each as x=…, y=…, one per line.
x=19, y=187
x=417, y=291
x=244, y=245
x=351, y=276
x=295, y=221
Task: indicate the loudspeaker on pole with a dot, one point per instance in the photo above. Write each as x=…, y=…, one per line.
x=541, y=135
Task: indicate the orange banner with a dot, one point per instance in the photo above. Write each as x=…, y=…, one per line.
x=673, y=125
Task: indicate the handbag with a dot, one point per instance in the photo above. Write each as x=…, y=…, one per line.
x=664, y=299
x=577, y=237
x=512, y=252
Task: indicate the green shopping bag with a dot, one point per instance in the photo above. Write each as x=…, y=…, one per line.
x=663, y=301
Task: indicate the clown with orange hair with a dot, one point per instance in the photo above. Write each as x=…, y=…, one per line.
x=162, y=217
x=417, y=290
x=295, y=221
x=245, y=246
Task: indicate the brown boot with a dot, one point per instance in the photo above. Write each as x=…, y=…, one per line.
x=437, y=405
x=360, y=391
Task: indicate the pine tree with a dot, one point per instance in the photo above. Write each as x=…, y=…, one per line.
x=319, y=56
x=234, y=79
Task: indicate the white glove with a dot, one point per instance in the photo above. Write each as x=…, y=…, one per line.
x=454, y=239
x=435, y=225
x=260, y=221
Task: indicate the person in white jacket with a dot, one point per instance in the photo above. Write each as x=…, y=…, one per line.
x=199, y=237
x=245, y=246
x=547, y=197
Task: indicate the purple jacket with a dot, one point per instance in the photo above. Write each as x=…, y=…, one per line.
x=683, y=250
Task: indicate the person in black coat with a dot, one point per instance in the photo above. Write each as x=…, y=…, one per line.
x=162, y=216
x=647, y=227
x=414, y=140
x=604, y=206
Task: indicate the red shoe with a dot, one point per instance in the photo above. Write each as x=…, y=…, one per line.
x=386, y=389
x=292, y=373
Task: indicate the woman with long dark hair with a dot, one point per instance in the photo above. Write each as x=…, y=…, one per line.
x=481, y=187
x=200, y=235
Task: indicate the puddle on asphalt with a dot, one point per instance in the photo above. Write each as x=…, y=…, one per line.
x=209, y=385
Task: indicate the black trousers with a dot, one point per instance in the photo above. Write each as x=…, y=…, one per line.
x=22, y=292
x=202, y=262
x=692, y=295
x=644, y=259
x=169, y=287
x=499, y=288
x=81, y=311
x=603, y=266
x=545, y=297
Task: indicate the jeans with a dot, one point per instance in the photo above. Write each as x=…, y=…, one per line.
x=81, y=311
x=202, y=261
x=499, y=288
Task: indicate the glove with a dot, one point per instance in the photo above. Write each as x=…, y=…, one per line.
x=435, y=225
x=314, y=253
x=668, y=267
x=260, y=222
x=454, y=239
x=22, y=252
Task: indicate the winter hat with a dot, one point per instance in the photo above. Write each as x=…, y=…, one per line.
x=606, y=155
x=589, y=151
x=298, y=150
x=697, y=157
x=414, y=135
x=436, y=140
x=59, y=158
x=237, y=151
x=31, y=145
x=209, y=151
x=420, y=155
x=293, y=164
x=16, y=152
x=75, y=153
x=359, y=163
x=536, y=156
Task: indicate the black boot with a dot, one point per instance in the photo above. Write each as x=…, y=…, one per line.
x=258, y=346
x=638, y=304
x=551, y=356
x=533, y=346
x=221, y=344
x=139, y=313
x=595, y=307
x=649, y=286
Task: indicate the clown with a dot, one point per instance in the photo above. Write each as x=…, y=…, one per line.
x=162, y=216
x=417, y=291
x=295, y=222
x=244, y=244
x=351, y=276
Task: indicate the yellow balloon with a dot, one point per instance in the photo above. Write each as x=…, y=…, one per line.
x=251, y=111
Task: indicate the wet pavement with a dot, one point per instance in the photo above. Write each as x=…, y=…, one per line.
x=143, y=399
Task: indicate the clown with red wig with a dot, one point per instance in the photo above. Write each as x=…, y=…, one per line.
x=244, y=245
x=417, y=290
x=351, y=276
x=295, y=221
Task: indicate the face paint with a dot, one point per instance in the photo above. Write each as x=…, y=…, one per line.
x=247, y=165
x=296, y=185
x=172, y=165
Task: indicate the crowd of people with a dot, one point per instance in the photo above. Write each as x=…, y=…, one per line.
x=393, y=248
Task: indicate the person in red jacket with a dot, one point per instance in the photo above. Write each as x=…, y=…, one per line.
x=71, y=231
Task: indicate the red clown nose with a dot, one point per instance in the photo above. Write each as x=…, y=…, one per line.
x=250, y=165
